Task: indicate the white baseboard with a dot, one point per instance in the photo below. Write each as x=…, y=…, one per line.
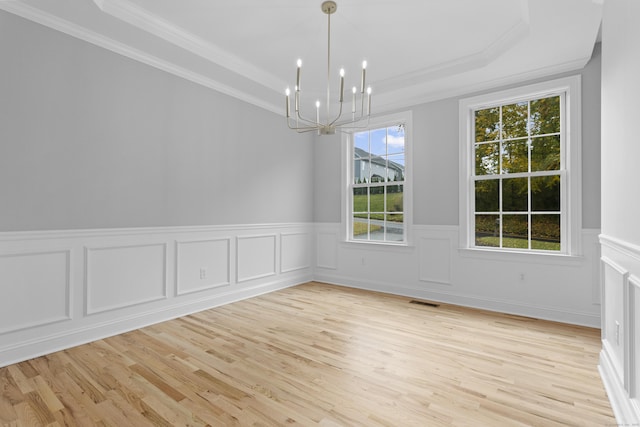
x=626, y=413
x=448, y=297
x=620, y=356
x=65, y=288
x=554, y=287
x=21, y=351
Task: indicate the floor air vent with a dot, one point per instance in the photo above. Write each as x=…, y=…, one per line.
x=428, y=304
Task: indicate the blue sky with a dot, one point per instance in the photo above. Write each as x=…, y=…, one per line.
x=385, y=141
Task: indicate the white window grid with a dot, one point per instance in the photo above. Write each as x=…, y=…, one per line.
x=500, y=176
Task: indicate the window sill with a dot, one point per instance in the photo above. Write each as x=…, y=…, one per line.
x=379, y=246
x=521, y=256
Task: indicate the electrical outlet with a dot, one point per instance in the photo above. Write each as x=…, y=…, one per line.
x=203, y=273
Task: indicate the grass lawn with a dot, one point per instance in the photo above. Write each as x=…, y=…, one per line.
x=511, y=242
x=394, y=203
x=360, y=228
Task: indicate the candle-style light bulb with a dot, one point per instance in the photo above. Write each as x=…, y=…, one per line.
x=369, y=100
x=299, y=63
x=318, y=111
x=287, y=93
x=364, y=72
x=353, y=101
x=341, y=84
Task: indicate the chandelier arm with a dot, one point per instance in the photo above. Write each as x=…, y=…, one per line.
x=353, y=119
x=298, y=116
x=305, y=120
x=358, y=124
x=337, y=117
x=303, y=129
x=307, y=125
x=297, y=126
x=326, y=126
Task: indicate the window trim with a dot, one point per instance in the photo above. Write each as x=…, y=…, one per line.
x=571, y=172
x=347, y=172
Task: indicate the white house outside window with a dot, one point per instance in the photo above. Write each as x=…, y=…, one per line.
x=377, y=193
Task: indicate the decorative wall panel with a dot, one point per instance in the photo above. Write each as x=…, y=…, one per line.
x=35, y=289
x=619, y=358
x=435, y=260
x=294, y=252
x=256, y=257
x=63, y=288
x=327, y=250
x=634, y=339
x=202, y=265
x=118, y=277
x=613, y=322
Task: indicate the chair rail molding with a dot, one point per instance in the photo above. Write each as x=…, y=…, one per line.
x=62, y=288
x=620, y=324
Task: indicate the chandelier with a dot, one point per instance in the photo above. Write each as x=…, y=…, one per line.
x=330, y=122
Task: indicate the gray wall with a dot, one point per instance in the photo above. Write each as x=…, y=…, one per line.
x=91, y=139
x=436, y=164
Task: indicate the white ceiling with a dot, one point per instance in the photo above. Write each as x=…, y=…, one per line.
x=417, y=50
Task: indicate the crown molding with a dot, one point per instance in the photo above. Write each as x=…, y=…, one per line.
x=141, y=18
x=36, y=15
x=510, y=38
x=393, y=101
x=419, y=87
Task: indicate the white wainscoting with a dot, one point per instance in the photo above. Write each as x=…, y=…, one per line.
x=559, y=288
x=619, y=358
x=256, y=257
x=122, y=276
x=202, y=265
x=435, y=260
x=294, y=251
x=327, y=248
x=64, y=288
x=634, y=338
x=614, y=280
x=38, y=280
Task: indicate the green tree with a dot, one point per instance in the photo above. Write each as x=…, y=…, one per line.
x=515, y=138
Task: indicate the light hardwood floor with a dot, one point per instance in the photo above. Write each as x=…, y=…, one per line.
x=322, y=355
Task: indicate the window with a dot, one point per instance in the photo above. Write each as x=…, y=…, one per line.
x=377, y=185
x=520, y=187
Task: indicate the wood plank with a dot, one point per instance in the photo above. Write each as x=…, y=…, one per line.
x=323, y=355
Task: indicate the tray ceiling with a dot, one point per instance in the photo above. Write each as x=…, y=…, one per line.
x=417, y=50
